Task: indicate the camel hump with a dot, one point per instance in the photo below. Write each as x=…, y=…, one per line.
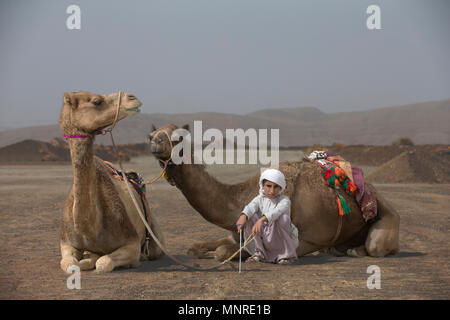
x=291, y=170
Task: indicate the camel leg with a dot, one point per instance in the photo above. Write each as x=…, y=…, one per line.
x=306, y=247
x=381, y=240
x=377, y=239
x=70, y=256
x=333, y=251
x=354, y=247
x=206, y=250
x=88, y=261
x=126, y=256
x=357, y=252
x=223, y=252
x=383, y=237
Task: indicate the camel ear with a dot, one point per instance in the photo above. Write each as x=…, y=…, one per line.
x=153, y=128
x=186, y=127
x=69, y=100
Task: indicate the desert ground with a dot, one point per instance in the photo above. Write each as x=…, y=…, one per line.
x=31, y=202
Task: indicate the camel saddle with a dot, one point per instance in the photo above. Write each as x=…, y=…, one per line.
x=132, y=176
x=349, y=177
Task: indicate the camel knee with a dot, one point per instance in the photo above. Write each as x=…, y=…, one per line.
x=223, y=252
x=382, y=241
x=88, y=261
x=70, y=256
x=104, y=264
x=86, y=264
x=197, y=250
x=379, y=249
x=68, y=261
x=357, y=252
x=376, y=251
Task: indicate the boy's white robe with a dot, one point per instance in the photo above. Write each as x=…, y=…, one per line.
x=271, y=208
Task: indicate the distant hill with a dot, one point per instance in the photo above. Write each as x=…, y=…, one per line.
x=423, y=123
x=414, y=166
x=33, y=151
x=57, y=150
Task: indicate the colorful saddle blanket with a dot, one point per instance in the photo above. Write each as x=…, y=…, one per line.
x=340, y=174
x=132, y=176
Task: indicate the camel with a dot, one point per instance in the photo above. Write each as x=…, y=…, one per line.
x=314, y=210
x=101, y=227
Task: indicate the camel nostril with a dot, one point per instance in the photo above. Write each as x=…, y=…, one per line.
x=131, y=97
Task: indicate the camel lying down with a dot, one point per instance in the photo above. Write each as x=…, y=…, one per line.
x=314, y=209
x=101, y=227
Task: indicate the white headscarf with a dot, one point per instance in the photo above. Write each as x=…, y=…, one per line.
x=274, y=175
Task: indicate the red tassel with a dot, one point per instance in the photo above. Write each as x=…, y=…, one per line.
x=341, y=211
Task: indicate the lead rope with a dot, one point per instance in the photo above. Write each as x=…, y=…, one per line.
x=142, y=216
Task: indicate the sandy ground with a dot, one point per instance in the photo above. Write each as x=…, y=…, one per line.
x=31, y=202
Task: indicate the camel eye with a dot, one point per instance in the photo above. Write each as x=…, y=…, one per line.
x=97, y=102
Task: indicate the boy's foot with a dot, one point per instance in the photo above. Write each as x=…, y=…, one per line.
x=253, y=258
x=286, y=261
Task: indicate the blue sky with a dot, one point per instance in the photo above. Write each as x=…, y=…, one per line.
x=223, y=55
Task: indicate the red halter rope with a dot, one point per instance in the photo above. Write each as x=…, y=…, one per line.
x=82, y=137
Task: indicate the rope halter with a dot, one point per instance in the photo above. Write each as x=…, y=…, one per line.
x=99, y=132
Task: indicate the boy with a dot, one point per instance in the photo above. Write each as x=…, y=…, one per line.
x=268, y=217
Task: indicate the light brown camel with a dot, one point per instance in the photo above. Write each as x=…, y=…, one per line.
x=314, y=209
x=101, y=227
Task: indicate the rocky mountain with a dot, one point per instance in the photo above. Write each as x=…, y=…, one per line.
x=423, y=123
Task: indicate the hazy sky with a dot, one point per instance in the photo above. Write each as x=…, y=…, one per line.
x=232, y=56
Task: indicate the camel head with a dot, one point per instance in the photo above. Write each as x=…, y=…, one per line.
x=160, y=145
x=86, y=113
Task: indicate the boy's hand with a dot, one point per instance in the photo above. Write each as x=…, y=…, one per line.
x=241, y=222
x=258, y=225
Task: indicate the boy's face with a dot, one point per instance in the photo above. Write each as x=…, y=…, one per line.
x=271, y=189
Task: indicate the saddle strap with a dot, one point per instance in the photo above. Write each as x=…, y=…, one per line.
x=339, y=228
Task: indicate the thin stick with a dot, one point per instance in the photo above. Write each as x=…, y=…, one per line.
x=240, y=251
x=246, y=242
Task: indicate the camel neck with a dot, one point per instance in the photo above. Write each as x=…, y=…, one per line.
x=84, y=186
x=81, y=152
x=211, y=198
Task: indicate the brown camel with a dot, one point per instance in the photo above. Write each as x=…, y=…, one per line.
x=101, y=227
x=314, y=209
